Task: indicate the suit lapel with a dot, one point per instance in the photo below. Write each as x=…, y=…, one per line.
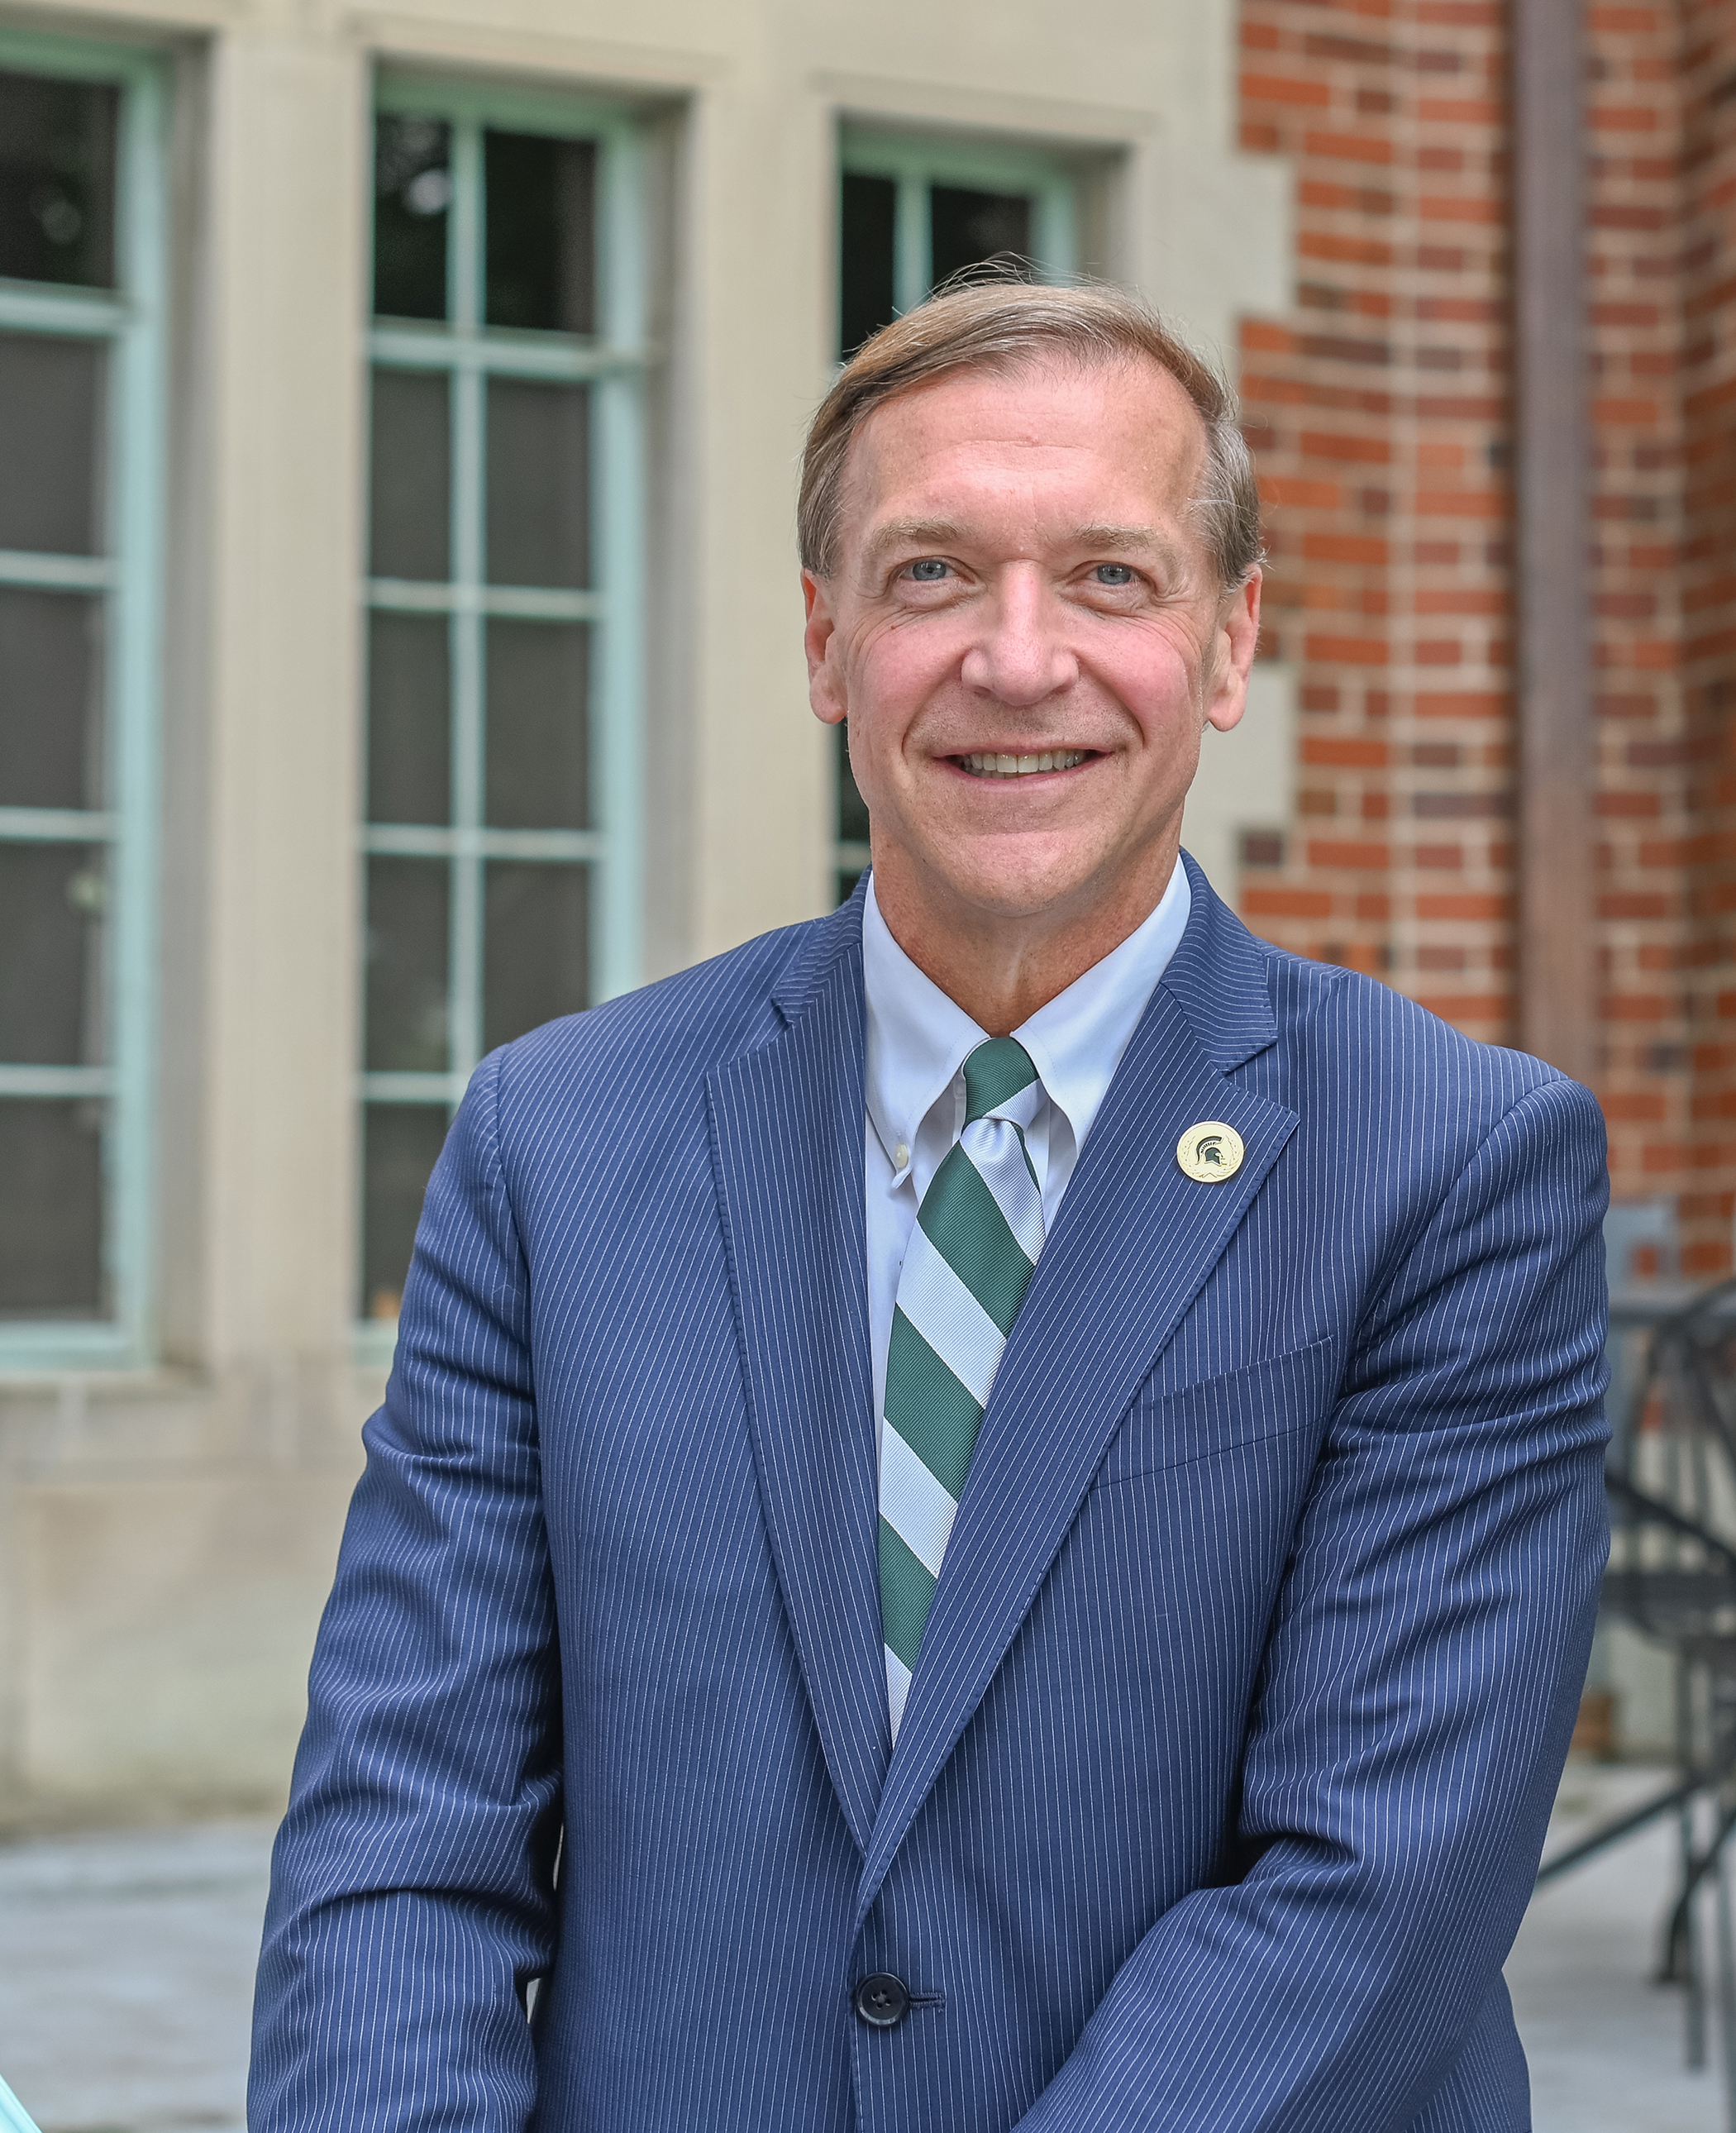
x=1134, y=1243
x=787, y=1125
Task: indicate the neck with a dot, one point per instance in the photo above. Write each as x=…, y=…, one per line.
x=1001, y=967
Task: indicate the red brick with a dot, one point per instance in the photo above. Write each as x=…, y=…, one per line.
x=1319, y=444
x=1260, y=901
x=1284, y=89
x=1399, y=358
x=1349, y=148
x=1344, y=752
x=1462, y=704
x=1322, y=547
x=1325, y=852
x=1467, y=908
x=1347, y=650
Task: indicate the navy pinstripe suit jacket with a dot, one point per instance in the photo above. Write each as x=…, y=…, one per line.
x=1247, y=1686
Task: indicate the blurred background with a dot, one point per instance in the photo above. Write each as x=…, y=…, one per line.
x=399, y=645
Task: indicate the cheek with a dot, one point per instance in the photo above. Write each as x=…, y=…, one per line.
x=893, y=672
x=1159, y=693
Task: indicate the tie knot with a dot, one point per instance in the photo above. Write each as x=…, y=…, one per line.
x=995, y=1072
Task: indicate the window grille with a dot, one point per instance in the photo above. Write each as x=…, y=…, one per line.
x=82, y=277
x=502, y=843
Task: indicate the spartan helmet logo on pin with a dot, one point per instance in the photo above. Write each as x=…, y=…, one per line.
x=1211, y=1152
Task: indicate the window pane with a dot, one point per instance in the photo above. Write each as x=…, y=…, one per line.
x=57, y=180
x=406, y=965
x=541, y=266
x=409, y=718
x=967, y=229
x=51, y=899
x=539, y=494
x=52, y=1209
x=852, y=815
x=537, y=947
x=51, y=427
x=400, y=1144
x=865, y=259
x=413, y=191
x=539, y=738
x=412, y=474
x=51, y=698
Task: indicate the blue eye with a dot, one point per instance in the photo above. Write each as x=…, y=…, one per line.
x=929, y=571
x=1114, y=574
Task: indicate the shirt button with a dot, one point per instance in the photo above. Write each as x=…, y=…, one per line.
x=901, y=1156
x=882, y=2001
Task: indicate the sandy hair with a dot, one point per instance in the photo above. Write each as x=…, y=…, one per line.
x=1009, y=326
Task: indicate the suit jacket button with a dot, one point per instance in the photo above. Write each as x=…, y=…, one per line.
x=882, y=2001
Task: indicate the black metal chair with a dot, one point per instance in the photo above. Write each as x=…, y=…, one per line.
x=1671, y=1480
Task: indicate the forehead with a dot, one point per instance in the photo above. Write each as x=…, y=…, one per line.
x=1107, y=443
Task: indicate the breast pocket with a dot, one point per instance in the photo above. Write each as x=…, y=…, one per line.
x=1267, y=1398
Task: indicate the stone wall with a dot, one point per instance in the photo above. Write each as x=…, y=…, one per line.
x=167, y=1535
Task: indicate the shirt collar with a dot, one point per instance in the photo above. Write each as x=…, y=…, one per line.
x=918, y=1037
x=1077, y=1040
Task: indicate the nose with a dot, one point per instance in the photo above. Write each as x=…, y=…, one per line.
x=1021, y=657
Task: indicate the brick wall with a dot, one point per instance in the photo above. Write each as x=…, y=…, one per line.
x=1634, y=247
x=1381, y=411
x=1708, y=583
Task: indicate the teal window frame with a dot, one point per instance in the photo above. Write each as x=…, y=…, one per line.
x=613, y=363
x=131, y=319
x=1048, y=178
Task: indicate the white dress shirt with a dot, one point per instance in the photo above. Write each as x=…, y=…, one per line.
x=917, y=1040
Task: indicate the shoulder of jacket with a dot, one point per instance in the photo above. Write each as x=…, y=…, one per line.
x=679, y=1026
x=1389, y=1071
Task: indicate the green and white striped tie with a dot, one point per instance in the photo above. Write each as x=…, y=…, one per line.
x=971, y=1257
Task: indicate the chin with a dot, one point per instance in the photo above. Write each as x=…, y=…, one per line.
x=1015, y=884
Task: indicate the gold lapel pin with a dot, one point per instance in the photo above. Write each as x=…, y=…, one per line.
x=1211, y=1152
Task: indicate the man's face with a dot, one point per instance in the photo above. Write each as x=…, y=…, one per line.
x=1026, y=633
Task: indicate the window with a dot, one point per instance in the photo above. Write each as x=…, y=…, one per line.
x=502, y=846
x=81, y=282
x=912, y=214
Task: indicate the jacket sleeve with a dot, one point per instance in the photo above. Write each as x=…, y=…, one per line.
x=410, y=1884
x=1418, y=1690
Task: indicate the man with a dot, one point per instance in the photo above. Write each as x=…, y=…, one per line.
x=1012, y=1477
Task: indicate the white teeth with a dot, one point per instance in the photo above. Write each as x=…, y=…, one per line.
x=1024, y=766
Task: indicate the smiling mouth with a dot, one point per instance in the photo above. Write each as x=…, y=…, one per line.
x=1021, y=766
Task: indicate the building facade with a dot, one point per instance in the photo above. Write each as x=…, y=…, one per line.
x=399, y=644
x=1382, y=405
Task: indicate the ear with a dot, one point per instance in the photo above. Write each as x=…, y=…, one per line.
x=820, y=641
x=1238, y=632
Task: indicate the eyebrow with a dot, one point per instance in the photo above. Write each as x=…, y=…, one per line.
x=1145, y=541
x=913, y=532
x=1137, y=540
